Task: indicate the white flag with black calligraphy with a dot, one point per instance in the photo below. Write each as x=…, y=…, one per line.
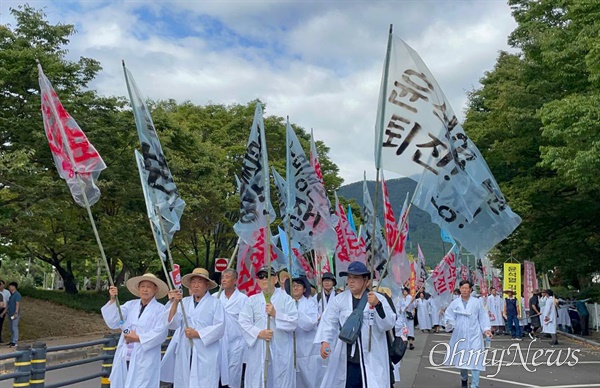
x=417, y=133
x=380, y=251
x=161, y=188
x=150, y=208
x=256, y=211
x=311, y=217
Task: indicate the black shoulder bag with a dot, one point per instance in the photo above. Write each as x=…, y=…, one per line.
x=351, y=329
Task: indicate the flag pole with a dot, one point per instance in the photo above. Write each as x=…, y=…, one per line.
x=267, y=295
x=67, y=148
x=235, y=250
x=166, y=242
x=380, y=126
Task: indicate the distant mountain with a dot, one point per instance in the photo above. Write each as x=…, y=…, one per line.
x=421, y=229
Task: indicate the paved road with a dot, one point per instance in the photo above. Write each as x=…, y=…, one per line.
x=507, y=368
x=58, y=376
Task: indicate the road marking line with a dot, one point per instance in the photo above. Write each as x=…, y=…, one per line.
x=487, y=378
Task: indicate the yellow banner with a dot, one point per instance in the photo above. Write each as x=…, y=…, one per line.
x=512, y=278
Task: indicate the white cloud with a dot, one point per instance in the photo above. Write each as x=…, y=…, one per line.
x=318, y=62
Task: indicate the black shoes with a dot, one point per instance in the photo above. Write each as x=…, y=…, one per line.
x=11, y=345
x=411, y=346
x=464, y=383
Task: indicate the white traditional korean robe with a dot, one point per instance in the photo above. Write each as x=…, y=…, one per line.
x=548, y=316
x=151, y=327
x=495, y=307
x=375, y=365
x=434, y=311
x=523, y=317
x=324, y=302
x=469, y=324
x=253, y=319
x=423, y=314
x=232, y=344
x=405, y=305
x=308, y=359
x=208, y=318
x=563, y=315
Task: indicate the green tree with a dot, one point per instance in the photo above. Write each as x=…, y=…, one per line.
x=535, y=120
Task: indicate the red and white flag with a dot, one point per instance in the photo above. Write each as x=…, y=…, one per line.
x=76, y=159
x=442, y=281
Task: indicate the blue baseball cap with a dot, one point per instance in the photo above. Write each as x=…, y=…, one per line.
x=356, y=268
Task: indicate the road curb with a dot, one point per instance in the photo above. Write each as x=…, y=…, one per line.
x=589, y=341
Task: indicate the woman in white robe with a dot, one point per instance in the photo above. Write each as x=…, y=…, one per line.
x=423, y=313
x=549, y=317
x=308, y=361
x=374, y=364
x=137, y=359
x=283, y=315
x=206, y=320
x=468, y=319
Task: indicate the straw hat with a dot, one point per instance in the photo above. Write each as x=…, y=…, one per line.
x=134, y=283
x=198, y=273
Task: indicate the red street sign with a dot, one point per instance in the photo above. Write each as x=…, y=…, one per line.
x=221, y=264
x=176, y=276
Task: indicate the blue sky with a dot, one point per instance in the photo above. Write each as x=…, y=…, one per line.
x=319, y=62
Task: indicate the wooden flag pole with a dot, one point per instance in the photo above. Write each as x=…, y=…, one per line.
x=166, y=242
x=67, y=148
x=268, y=295
x=170, y=283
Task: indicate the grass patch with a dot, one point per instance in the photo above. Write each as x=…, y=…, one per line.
x=89, y=301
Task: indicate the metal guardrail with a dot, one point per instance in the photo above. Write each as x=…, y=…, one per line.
x=30, y=363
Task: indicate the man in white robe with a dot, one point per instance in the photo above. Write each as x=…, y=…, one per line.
x=232, y=344
x=352, y=364
x=308, y=360
x=328, y=282
x=137, y=358
x=469, y=320
x=192, y=358
x=549, y=317
x=282, y=313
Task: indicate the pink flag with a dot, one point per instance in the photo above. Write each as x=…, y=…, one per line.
x=250, y=259
x=399, y=266
x=76, y=159
x=529, y=281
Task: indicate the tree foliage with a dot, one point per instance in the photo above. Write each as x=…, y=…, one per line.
x=535, y=120
x=204, y=146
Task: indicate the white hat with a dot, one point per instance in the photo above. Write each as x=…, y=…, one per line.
x=134, y=283
x=198, y=273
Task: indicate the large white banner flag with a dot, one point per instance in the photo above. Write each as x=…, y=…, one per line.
x=417, y=135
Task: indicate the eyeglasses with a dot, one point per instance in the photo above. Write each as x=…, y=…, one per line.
x=262, y=276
